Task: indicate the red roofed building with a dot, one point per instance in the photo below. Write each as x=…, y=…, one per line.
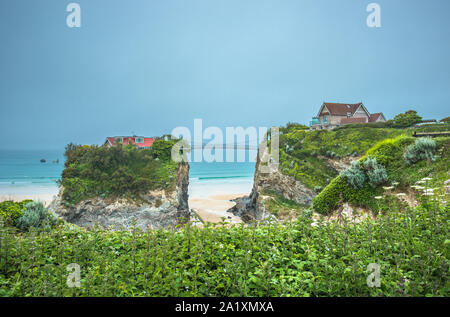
x=332, y=115
x=377, y=117
x=139, y=141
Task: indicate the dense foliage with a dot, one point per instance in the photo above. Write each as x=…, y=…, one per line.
x=35, y=215
x=304, y=154
x=118, y=171
x=422, y=149
x=11, y=211
x=368, y=169
x=354, y=176
x=26, y=214
x=389, y=153
x=411, y=247
x=407, y=119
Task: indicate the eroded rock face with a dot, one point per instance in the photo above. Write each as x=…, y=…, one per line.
x=249, y=208
x=161, y=210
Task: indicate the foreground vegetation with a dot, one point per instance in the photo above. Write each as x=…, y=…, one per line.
x=411, y=246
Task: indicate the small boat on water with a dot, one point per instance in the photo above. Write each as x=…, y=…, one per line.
x=43, y=160
x=56, y=161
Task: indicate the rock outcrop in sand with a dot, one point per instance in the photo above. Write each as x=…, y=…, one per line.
x=160, y=209
x=249, y=208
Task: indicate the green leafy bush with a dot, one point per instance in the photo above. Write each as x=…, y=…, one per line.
x=118, y=171
x=422, y=149
x=376, y=173
x=10, y=211
x=37, y=216
x=407, y=119
x=354, y=176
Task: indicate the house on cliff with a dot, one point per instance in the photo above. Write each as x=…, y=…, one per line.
x=139, y=141
x=332, y=115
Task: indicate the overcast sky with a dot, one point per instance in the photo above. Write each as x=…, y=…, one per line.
x=148, y=66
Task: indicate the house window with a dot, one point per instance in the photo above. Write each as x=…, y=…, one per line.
x=139, y=140
x=325, y=118
x=348, y=114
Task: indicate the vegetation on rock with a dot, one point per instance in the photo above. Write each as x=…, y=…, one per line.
x=389, y=153
x=118, y=171
x=304, y=154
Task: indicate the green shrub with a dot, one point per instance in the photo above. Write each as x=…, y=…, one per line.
x=376, y=173
x=422, y=149
x=407, y=119
x=37, y=216
x=354, y=176
x=381, y=160
x=10, y=211
x=118, y=171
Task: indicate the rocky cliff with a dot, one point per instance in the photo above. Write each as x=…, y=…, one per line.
x=250, y=208
x=158, y=209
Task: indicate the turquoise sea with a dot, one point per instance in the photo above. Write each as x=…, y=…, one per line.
x=22, y=173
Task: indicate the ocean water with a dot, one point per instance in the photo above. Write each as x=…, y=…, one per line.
x=22, y=173
x=217, y=178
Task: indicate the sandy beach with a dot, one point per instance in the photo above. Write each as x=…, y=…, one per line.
x=46, y=199
x=211, y=209
x=214, y=208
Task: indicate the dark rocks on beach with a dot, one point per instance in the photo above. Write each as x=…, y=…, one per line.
x=249, y=208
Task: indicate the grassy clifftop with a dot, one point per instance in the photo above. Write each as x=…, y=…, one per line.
x=400, y=172
x=303, y=153
x=119, y=171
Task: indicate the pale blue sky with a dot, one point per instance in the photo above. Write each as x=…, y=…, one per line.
x=149, y=66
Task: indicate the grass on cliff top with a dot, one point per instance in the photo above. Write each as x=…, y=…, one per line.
x=303, y=153
x=410, y=246
x=389, y=153
x=118, y=171
x=279, y=206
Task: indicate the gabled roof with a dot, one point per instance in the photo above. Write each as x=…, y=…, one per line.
x=354, y=120
x=375, y=116
x=131, y=140
x=341, y=109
